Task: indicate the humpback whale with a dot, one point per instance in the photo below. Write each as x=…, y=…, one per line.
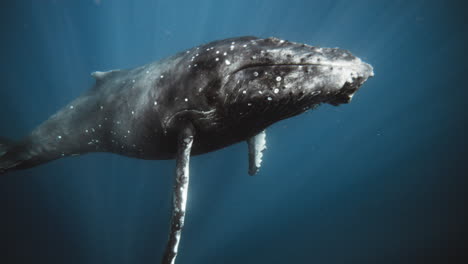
x=197, y=101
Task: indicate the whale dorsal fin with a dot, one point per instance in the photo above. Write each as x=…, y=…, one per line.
x=100, y=76
x=257, y=144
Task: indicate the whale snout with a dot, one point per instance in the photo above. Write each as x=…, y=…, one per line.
x=358, y=74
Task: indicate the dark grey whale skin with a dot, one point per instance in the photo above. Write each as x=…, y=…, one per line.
x=228, y=90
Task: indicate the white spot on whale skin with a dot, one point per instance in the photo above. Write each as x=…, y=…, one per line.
x=232, y=47
x=155, y=103
x=102, y=107
x=225, y=53
x=86, y=131
x=217, y=59
x=186, y=99
x=71, y=106
x=133, y=112
x=276, y=90
x=133, y=81
x=147, y=71
x=244, y=92
x=162, y=76
x=244, y=46
x=228, y=62
x=278, y=79
x=255, y=74
x=269, y=98
x=59, y=137
x=217, y=52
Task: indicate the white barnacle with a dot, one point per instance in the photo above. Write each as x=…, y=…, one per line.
x=245, y=45
x=228, y=62
x=186, y=99
x=217, y=52
x=278, y=78
x=269, y=98
x=244, y=92
x=195, y=65
x=155, y=103
x=71, y=106
x=233, y=43
x=276, y=90
x=208, y=49
x=249, y=104
x=225, y=53
x=162, y=76
x=196, y=55
x=217, y=59
x=255, y=74
x=59, y=137
x=232, y=47
x=260, y=92
x=187, y=52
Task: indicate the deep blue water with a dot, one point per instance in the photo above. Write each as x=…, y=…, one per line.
x=381, y=180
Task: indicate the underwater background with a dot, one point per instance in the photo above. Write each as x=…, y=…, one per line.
x=381, y=180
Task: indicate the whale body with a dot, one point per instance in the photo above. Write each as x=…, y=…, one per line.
x=197, y=101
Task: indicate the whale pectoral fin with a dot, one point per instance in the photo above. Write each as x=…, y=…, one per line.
x=184, y=147
x=256, y=144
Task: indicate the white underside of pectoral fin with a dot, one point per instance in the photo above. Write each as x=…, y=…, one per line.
x=257, y=144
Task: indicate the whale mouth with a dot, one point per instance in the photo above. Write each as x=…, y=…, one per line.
x=346, y=93
x=269, y=65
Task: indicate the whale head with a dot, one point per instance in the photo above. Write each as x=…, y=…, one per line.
x=249, y=83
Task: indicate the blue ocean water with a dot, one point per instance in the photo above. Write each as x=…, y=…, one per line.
x=381, y=180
